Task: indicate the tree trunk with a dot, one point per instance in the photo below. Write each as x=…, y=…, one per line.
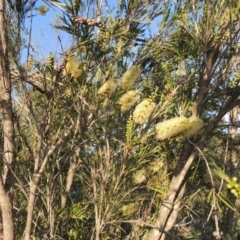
x=6, y=208
x=34, y=185
x=70, y=175
x=170, y=206
x=7, y=128
x=31, y=201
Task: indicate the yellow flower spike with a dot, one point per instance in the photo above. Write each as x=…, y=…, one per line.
x=156, y=165
x=139, y=176
x=108, y=87
x=143, y=111
x=74, y=67
x=196, y=124
x=130, y=77
x=42, y=10
x=171, y=127
x=130, y=208
x=128, y=100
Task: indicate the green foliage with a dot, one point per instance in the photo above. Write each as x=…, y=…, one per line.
x=101, y=172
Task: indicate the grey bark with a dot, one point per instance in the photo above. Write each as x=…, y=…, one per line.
x=8, y=130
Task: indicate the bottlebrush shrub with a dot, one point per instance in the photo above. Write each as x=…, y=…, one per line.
x=130, y=77
x=143, y=111
x=128, y=100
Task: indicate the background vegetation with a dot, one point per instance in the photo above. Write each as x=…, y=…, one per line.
x=129, y=134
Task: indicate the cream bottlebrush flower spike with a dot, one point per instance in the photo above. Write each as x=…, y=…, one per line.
x=130, y=208
x=196, y=124
x=108, y=87
x=139, y=176
x=155, y=165
x=172, y=127
x=143, y=111
x=130, y=77
x=74, y=67
x=128, y=100
x=43, y=10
